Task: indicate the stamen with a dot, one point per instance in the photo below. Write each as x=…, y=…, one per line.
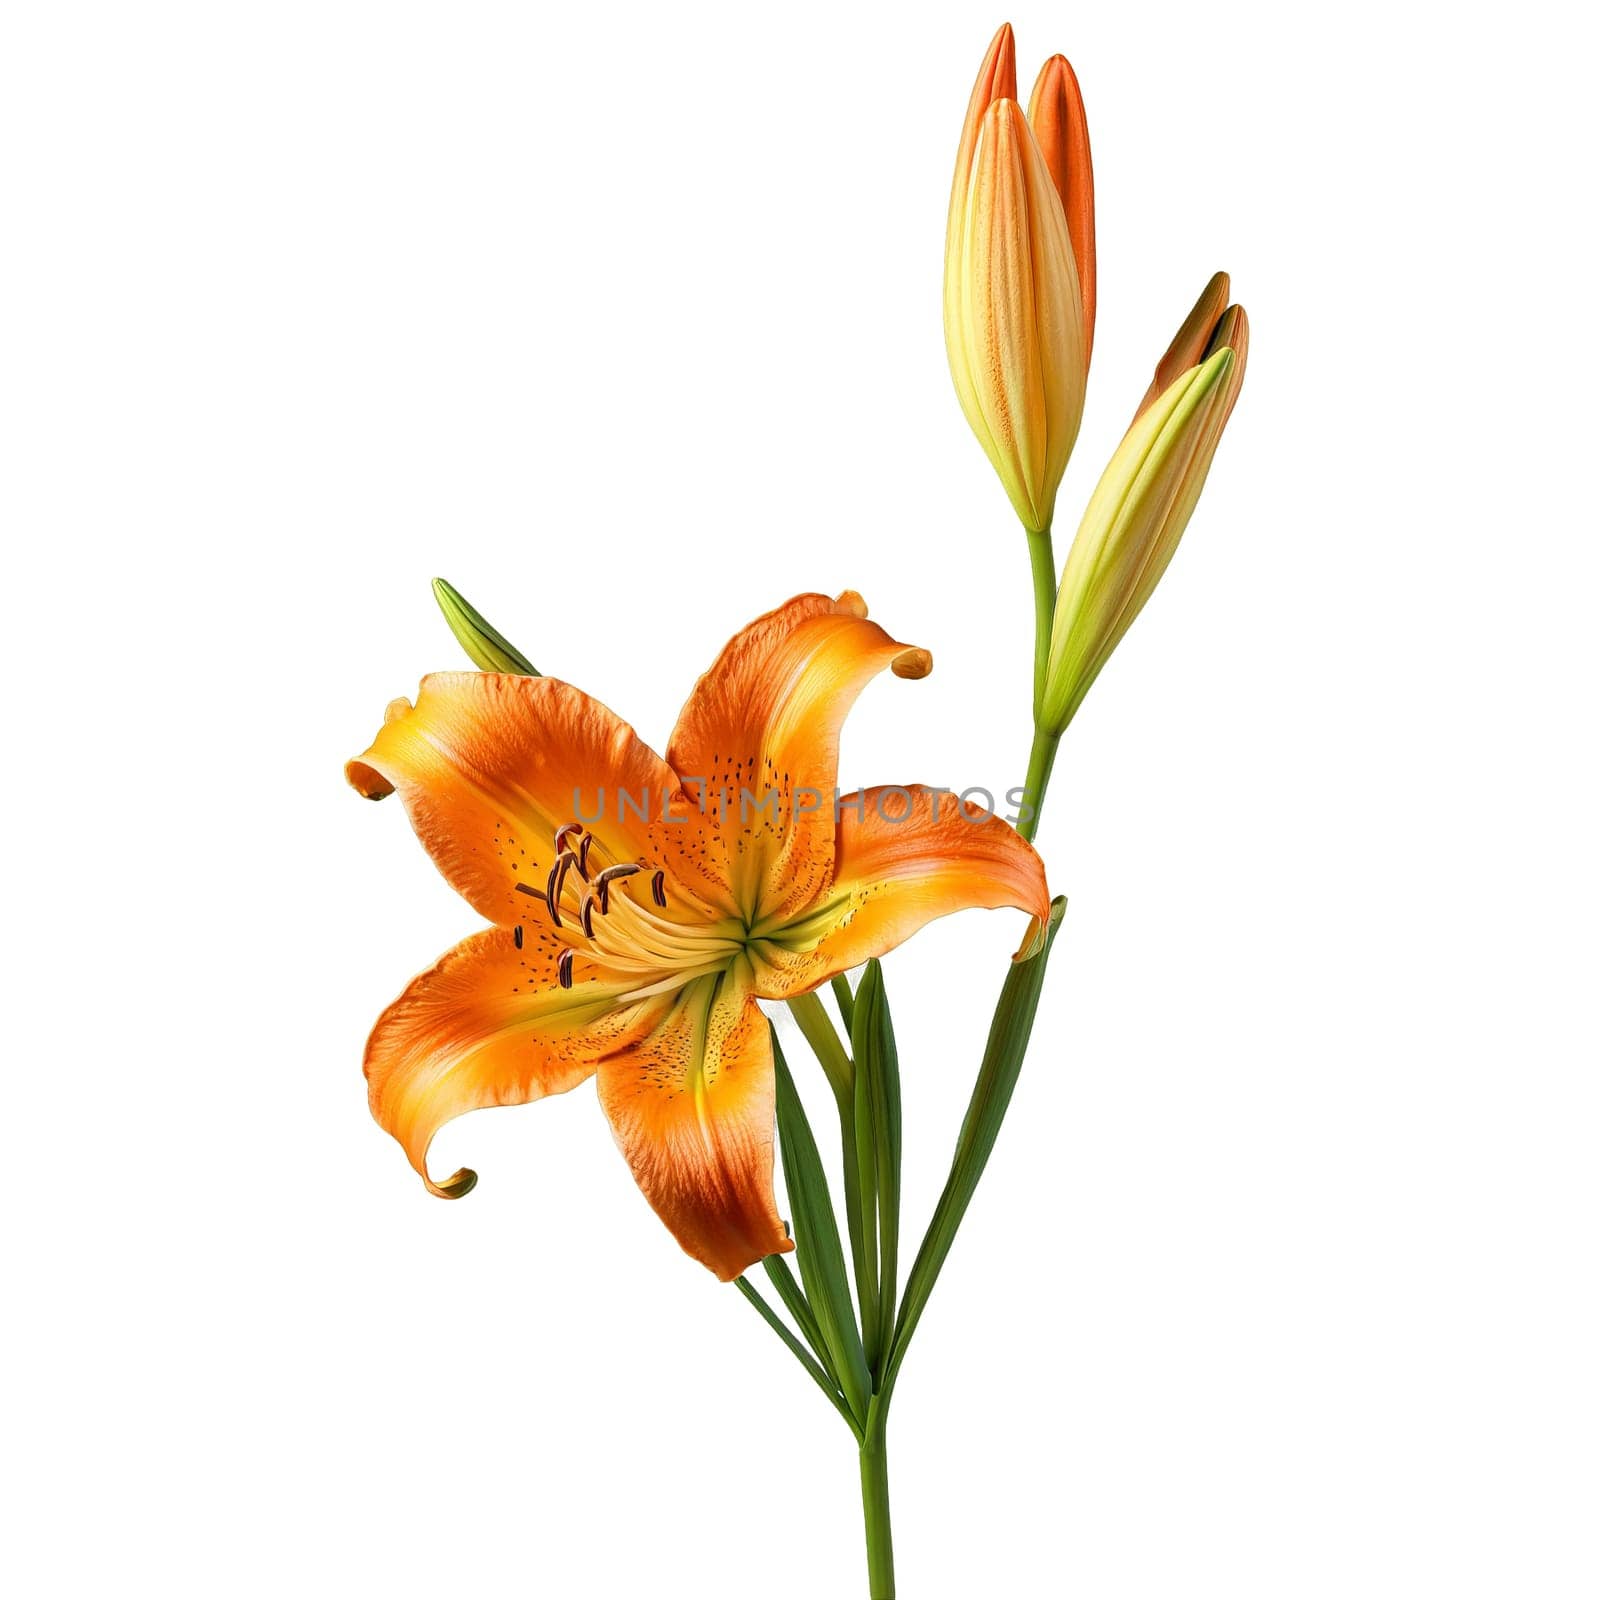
x=583, y=855
x=623, y=869
x=658, y=887
x=567, y=862
x=586, y=916
x=528, y=888
x=564, y=832
x=564, y=969
x=552, y=888
x=516, y=936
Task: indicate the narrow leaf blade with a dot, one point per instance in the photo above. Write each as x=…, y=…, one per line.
x=794, y=1300
x=877, y=1058
x=861, y=1160
x=797, y=1350
x=816, y=1237
x=845, y=1001
x=991, y=1095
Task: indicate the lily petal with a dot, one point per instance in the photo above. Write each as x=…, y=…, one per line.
x=489, y=765
x=487, y=1026
x=766, y=720
x=691, y=1106
x=906, y=857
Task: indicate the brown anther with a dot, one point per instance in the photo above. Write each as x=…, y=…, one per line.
x=658, y=887
x=583, y=855
x=564, y=969
x=565, y=832
x=602, y=884
x=516, y=936
x=528, y=888
x=586, y=916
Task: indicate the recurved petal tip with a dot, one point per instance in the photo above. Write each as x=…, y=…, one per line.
x=852, y=602
x=460, y=1182
x=364, y=778
x=912, y=662
x=367, y=781
x=1038, y=930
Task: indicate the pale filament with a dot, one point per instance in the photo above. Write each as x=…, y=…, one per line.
x=600, y=912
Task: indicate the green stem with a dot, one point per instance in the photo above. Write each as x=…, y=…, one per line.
x=860, y=1188
x=1041, y=557
x=875, y=1505
x=1040, y=760
x=990, y=1100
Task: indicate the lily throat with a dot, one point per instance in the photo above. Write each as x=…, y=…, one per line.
x=622, y=920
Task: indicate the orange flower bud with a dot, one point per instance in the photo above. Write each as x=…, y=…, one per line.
x=1210, y=325
x=1055, y=112
x=997, y=80
x=1013, y=303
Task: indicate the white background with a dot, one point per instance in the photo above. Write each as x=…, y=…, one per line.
x=1283, y=1281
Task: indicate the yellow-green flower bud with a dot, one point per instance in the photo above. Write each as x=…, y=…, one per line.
x=1134, y=521
x=488, y=648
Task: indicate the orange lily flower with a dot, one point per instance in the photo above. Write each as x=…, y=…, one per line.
x=642, y=906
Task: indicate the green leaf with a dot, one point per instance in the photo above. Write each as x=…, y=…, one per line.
x=817, y=1026
x=795, y=1302
x=816, y=1238
x=861, y=1180
x=487, y=648
x=844, y=1000
x=991, y=1095
x=878, y=1132
x=797, y=1350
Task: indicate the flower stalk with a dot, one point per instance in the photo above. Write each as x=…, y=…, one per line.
x=874, y=1456
x=1042, y=566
